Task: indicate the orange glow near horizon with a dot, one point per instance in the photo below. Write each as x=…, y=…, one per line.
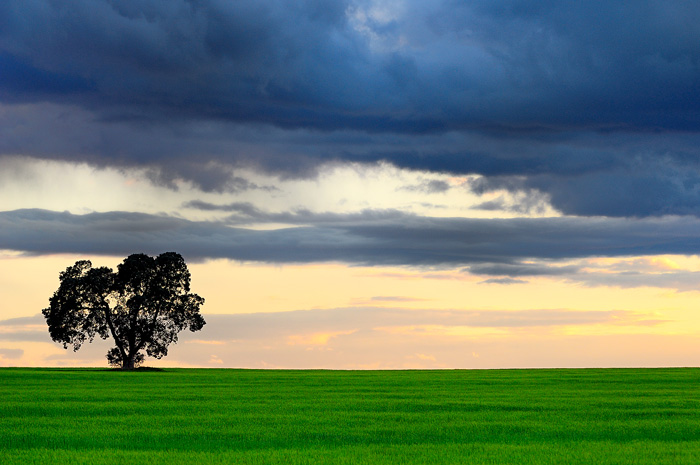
x=232, y=288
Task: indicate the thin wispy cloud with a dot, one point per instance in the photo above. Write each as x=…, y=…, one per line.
x=305, y=325
x=349, y=337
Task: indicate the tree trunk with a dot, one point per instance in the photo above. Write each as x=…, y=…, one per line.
x=128, y=363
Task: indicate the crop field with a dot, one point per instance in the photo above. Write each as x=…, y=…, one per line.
x=174, y=416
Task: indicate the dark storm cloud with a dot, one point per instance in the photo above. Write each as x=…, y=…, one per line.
x=19, y=80
x=512, y=64
x=244, y=61
x=593, y=104
x=405, y=240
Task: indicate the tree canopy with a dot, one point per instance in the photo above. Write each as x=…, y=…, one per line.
x=142, y=306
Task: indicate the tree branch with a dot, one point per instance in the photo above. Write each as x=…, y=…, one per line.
x=110, y=324
x=152, y=328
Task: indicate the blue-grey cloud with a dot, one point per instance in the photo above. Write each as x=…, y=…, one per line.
x=433, y=186
x=680, y=280
x=445, y=65
x=515, y=270
x=24, y=329
x=503, y=281
x=22, y=321
x=405, y=240
x=594, y=105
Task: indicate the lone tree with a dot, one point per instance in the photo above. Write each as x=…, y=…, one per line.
x=142, y=306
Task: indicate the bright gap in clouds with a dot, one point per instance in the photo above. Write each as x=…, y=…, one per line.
x=349, y=188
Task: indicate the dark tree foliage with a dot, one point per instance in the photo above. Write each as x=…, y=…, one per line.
x=143, y=306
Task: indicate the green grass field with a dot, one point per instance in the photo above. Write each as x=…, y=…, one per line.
x=91, y=416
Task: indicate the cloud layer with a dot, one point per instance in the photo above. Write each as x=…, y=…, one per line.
x=594, y=105
x=491, y=246
x=369, y=65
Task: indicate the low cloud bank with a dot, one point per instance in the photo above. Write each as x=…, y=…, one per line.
x=492, y=246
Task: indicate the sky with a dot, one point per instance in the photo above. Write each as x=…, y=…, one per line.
x=362, y=184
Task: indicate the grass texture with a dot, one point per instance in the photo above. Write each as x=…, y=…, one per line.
x=183, y=416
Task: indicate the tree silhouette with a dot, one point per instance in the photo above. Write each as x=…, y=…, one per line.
x=143, y=306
